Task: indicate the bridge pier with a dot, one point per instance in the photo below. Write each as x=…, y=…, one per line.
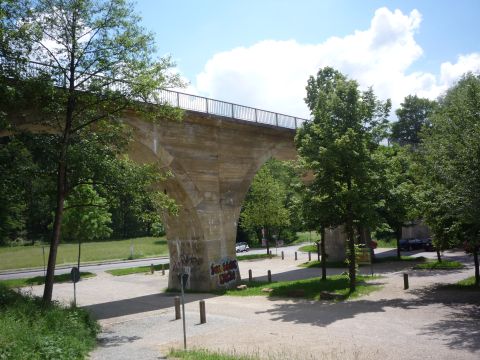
x=213, y=161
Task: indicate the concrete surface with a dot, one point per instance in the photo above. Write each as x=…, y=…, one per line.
x=424, y=322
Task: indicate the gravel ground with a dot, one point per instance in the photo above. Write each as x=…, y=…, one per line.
x=424, y=322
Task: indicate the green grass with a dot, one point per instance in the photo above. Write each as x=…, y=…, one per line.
x=137, y=270
x=254, y=257
x=330, y=264
x=32, y=330
x=40, y=280
x=307, y=248
x=468, y=283
x=311, y=288
x=436, y=265
x=306, y=236
x=205, y=355
x=17, y=257
x=379, y=260
x=387, y=243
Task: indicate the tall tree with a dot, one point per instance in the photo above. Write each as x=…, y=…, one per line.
x=265, y=204
x=86, y=217
x=451, y=168
x=337, y=146
x=101, y=62
x=413, y=114
x=398, y=187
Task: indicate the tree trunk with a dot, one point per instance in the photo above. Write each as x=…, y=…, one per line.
x=477, y=270
x=324, y=255
x=439, y=256
x=57, y=224
x=398, y=236
x=61, y=174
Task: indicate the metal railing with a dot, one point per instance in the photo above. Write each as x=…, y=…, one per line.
x=181, y=100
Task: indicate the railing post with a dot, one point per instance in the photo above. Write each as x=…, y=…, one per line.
x=295, y=123
x=256, y=119
x=233, y=112
x=178, y=99
x=276, y=119
x=206, y=105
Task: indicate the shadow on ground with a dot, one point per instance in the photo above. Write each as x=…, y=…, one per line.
x=139, y=305
x=460, y=330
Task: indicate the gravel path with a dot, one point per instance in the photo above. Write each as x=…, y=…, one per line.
x=425, y=322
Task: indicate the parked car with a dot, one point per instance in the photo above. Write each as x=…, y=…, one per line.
x=241, y=247
x=416, y=244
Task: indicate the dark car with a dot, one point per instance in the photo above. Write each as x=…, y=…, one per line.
x=416, y=244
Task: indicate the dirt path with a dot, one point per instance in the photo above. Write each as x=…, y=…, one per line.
x=425, y=322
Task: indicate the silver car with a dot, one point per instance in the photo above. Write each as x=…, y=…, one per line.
x=241, y=247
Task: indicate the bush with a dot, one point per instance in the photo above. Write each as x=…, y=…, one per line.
x=32, y=330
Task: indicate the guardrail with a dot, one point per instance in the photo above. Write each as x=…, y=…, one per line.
x=186, y=101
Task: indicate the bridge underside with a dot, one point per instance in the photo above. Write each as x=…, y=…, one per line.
x=213, y=161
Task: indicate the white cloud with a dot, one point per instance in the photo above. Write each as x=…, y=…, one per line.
x=273, y=74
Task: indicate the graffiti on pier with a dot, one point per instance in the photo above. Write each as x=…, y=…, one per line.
x=226, y=270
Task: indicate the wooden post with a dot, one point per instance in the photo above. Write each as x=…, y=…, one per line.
x=203, y=315
x=269, y=274
x=163, y=269
x=318, y=250
x=152, y=269
x=250, y=277
x=283, y=256
x=177, y=308
x=295, y=255
x=309, y=256
x=405, y=281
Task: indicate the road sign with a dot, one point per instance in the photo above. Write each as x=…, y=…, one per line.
x=75, y=274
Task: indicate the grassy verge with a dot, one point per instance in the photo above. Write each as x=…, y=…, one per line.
x=32, y=330
x=18, y=257
x=40, y=280
x=330, y=264
x=307, y=248
x=254, y=257
x=306, y=288
x=387, y=243
x=436, y=265
x=137, y=270
x=306, y=236
x=468, y=283
x=205, y=355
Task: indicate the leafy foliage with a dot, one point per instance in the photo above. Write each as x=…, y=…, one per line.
x=31, y=330
x=337, y=146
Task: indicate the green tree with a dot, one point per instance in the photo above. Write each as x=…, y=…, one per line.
x=413, y=114
x=398, y=187
x=104, y=61
x=264, y=206
x=86, y=217
x=337, y=146
x=450, y=168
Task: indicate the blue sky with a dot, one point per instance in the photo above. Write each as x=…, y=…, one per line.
x=260, y=53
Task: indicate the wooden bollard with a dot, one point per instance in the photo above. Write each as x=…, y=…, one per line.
x=295, y=255
x=203, y=315
x=163, y=269
x=309, y=256
x=152, y=269
x=405, y=281
x=269, y=275
x=283, y=256
x=250, y=277
x=177, y=308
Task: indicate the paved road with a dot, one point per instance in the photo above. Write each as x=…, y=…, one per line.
x=100, y=267
x=289, y=251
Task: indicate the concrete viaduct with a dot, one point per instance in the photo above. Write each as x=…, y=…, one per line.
x=214, y=153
